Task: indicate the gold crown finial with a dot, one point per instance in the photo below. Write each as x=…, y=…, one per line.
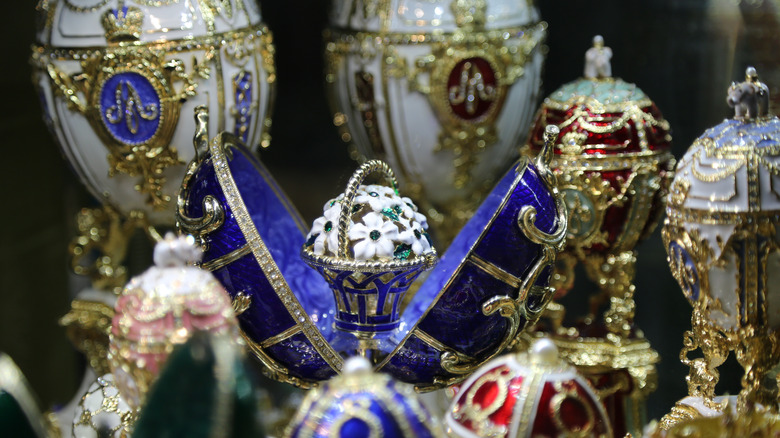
x=123, y=24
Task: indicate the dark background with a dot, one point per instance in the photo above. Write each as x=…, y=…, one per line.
x=682, y=53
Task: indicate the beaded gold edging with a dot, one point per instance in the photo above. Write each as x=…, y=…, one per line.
x=218, y=148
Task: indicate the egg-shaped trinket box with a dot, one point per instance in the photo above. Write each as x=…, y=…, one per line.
x=113, y=77
x=722, y=242
x=160, y=309
x=612, y=162
x=253, y=239
x=534, y=394
x=442, y=90
x=362, y=403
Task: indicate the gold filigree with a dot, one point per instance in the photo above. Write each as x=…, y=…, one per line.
x=123, y=24
x=88, y=324
x=567, y=392
x=241, y=303
x=686, y=422
x=479, y=415
x=103, y=231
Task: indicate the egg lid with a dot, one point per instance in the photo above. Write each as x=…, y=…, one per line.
x=361, y=400
x=525, y=394
x=174, y=285
x=597, y=89
x=733, y=167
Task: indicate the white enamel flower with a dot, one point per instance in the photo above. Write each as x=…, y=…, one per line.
x=376, y=200
x=415, y=236
x=412, y=212
x=374, y=237
x=325, y=228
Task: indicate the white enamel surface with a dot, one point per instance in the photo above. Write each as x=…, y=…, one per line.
x=409, y=127
x=83, y=147
x=409, y=16
x=180, y=19
x=723, y=287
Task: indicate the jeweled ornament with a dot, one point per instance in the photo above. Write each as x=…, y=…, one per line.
x=722, y=243
x=612, y=162
x=362, y=403
x=253, y=237
x=114, y=76
x=441, y=90
x=160, y=309
x=370, y=245
x=534, y=394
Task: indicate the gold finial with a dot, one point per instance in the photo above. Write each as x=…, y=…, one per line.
x=597, y=60
x=201, y=139
x=123, y=24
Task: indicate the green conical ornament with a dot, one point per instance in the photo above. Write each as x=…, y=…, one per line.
x=19, y=413
x=203, y=391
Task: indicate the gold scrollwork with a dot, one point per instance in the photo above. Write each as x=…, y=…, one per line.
x=241, y=303
x=105, y=233
x=213, y=218
x=478, y=414
x=567, y=392
x=87, y=325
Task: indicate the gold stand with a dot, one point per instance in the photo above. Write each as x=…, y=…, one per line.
x=615, y=357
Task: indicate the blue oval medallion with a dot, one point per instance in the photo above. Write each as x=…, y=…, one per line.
x=684, y=270
x=130, y=107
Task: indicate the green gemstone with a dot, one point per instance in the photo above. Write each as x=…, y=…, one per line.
x=374, y=235
x=402, y=251
x=356, y=208
x=417, y=234
x=374, y=194
x=390, y=213
x=328, y=226
x=398, y=209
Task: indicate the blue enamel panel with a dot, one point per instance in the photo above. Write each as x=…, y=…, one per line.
x=336, y=421
x=283, y=233
x=690, y=284
x=494, y=235
x=505, y=245
x=266, y=316
x=242, y=83
x=457, y=317
x=416, y=362
x=228, y=237
x=456, y=253
x=301, y=358
x=130, y=107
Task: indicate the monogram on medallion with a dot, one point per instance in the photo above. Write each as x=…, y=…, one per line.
x=472, y=88
x=130, y=108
